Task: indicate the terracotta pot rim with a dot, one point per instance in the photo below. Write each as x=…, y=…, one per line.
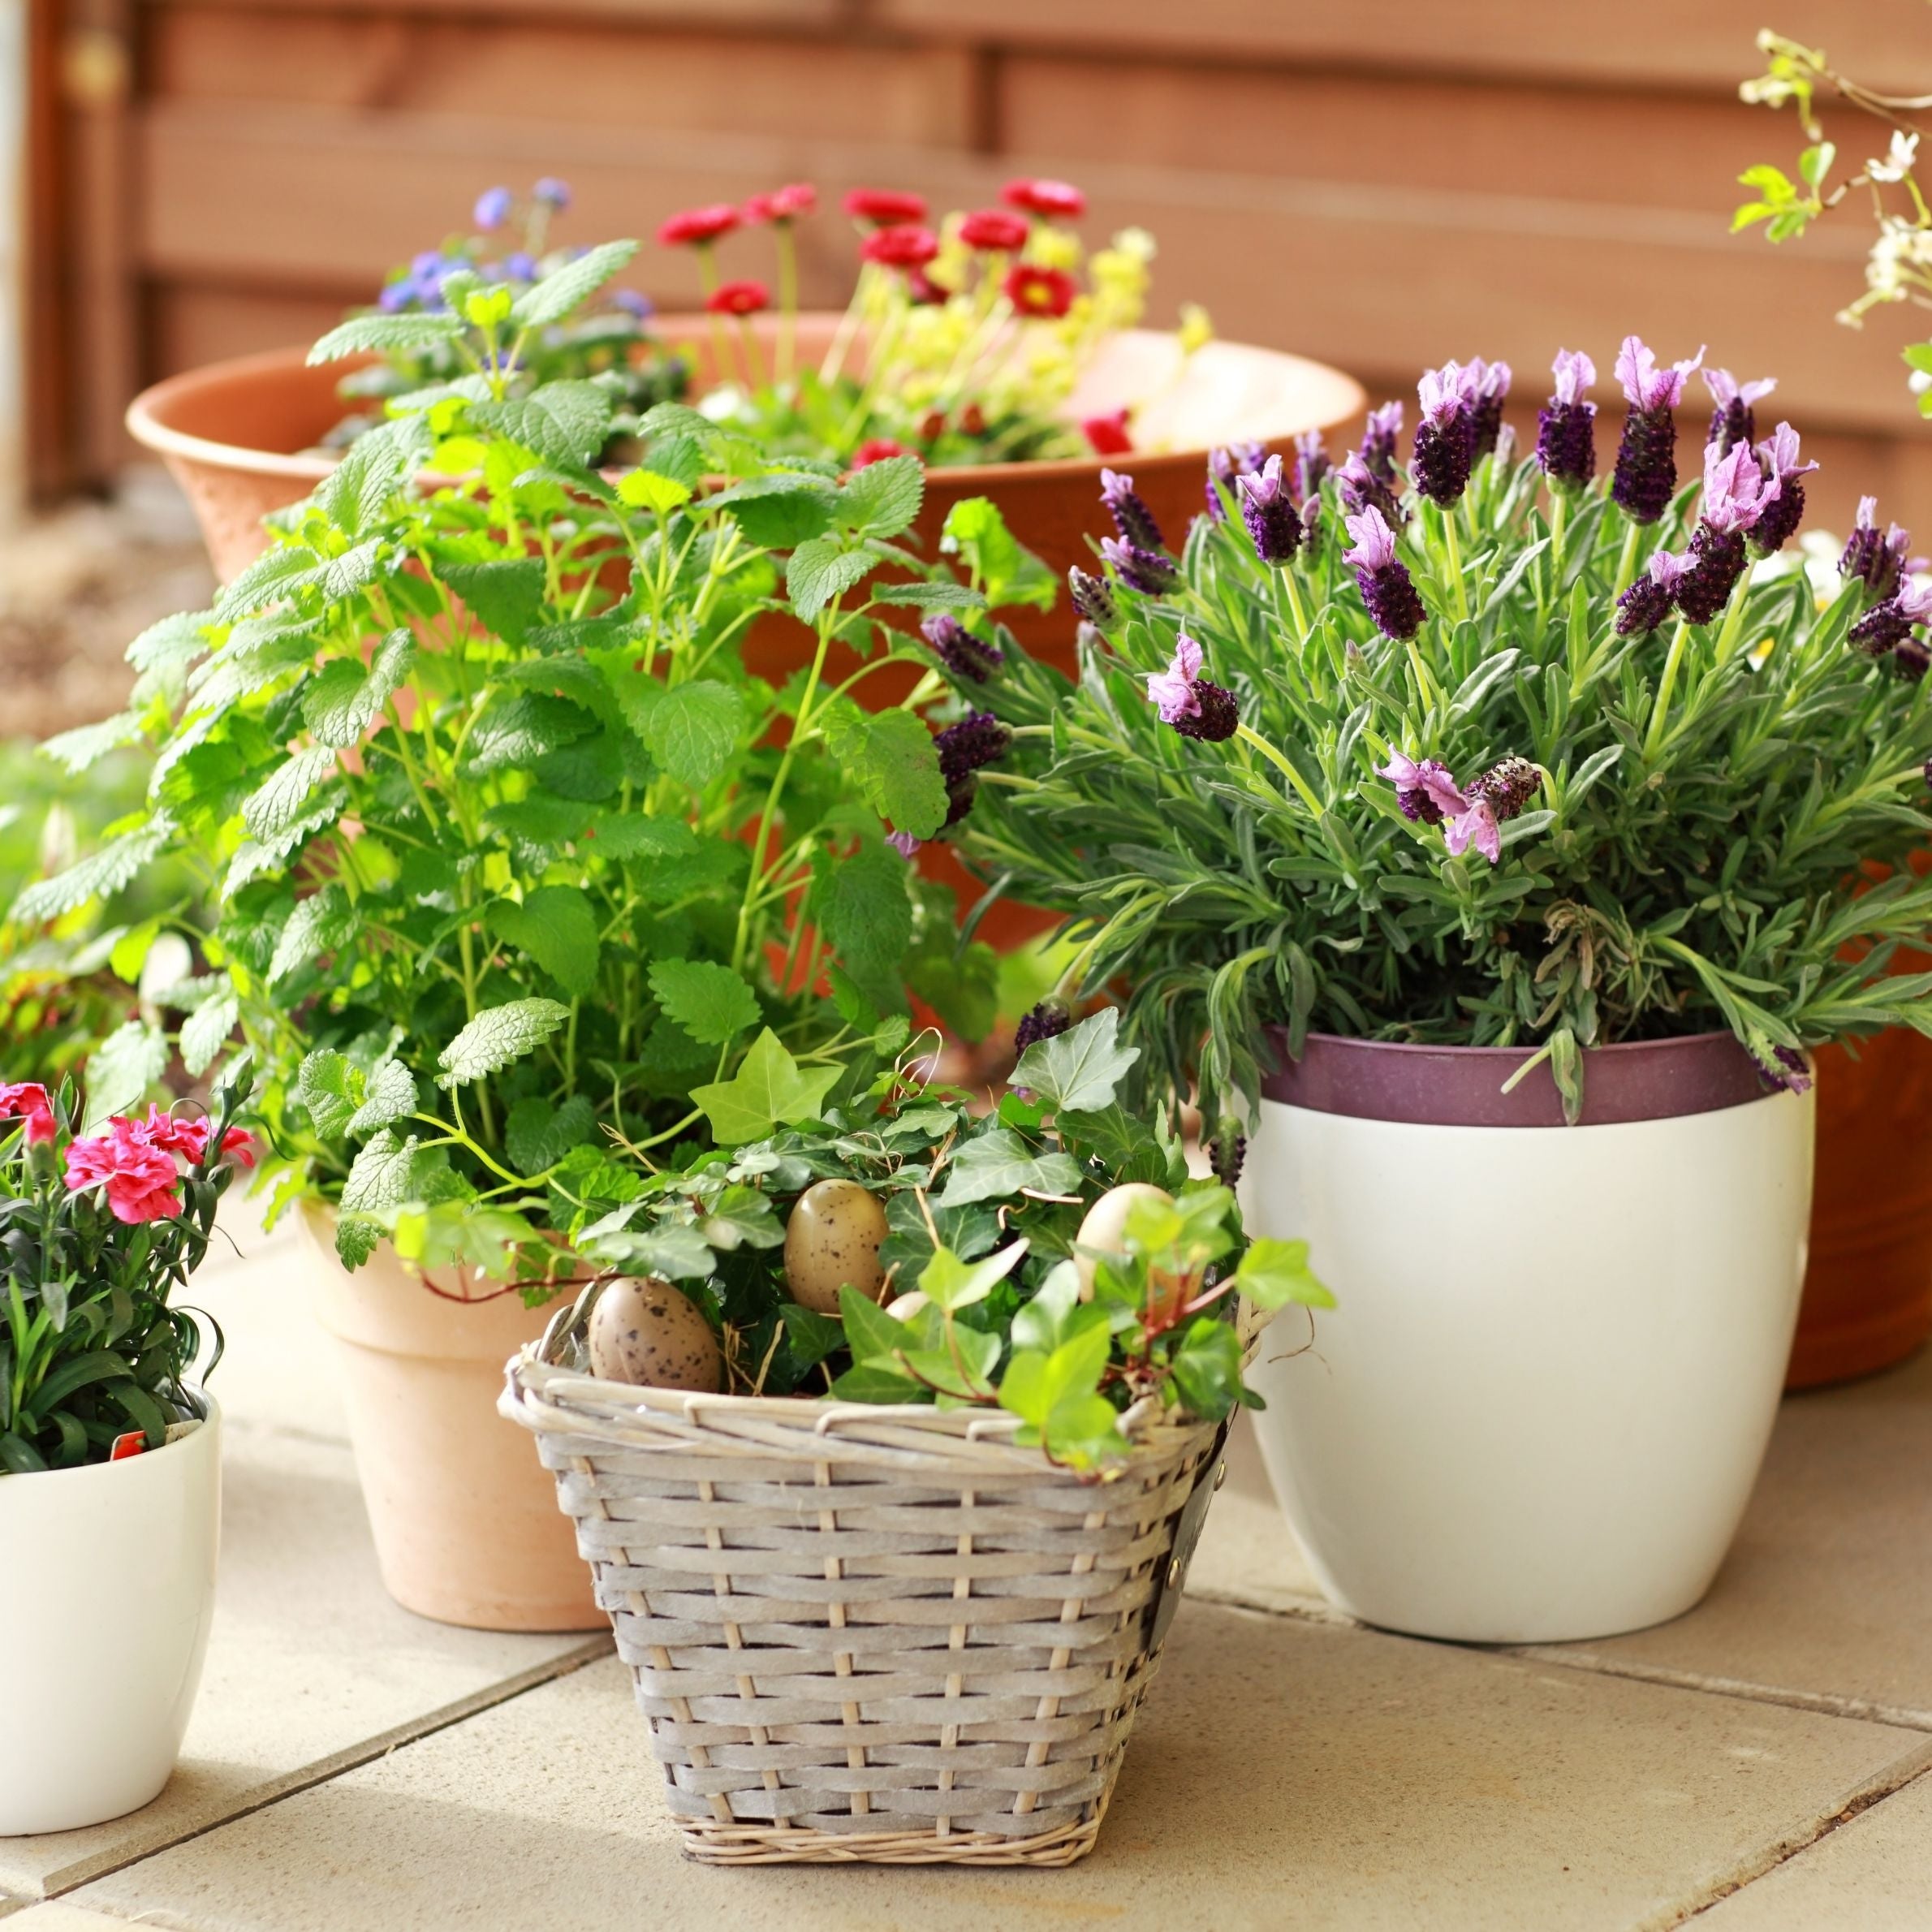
x=1632, y=1082
x=146, y=424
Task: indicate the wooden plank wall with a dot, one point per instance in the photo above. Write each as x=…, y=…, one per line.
x=1381, y=186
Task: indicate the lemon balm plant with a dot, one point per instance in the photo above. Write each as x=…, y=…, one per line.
x=509, y=856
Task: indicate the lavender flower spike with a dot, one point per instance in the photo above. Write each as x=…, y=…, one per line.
x=1187, y=701
x=1878, y=562
x=1046, y=1021
x=1360, y=488
x=1274, y=524
x=1311, y=464
x=1783, y=511
x=1424, y=791
x=1887, y=629
x=1493, y=798
x=1445, y=437
x=1383, y=579
x=965, y=656
x=1150, y=572
x=1379, y=439
x=1225, y=468
x=976, y=740
x=1645, y=477
x=1131, y=517
x=1092, y=600
x=1731, y=421
x=1736, y=492
x=1647, y=601
x=1566, y=425
x=1485, y=386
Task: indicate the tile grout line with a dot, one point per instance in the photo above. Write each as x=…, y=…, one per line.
x=322, y=1771
x=1310, y=1610
x=1894, y=1779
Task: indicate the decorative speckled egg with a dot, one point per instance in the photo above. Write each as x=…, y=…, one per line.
x=833, y=1240
x=643, y=1331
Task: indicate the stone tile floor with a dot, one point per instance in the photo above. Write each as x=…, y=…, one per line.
x=1762, y=1764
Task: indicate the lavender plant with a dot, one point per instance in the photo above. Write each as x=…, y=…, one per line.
x=1533, y=755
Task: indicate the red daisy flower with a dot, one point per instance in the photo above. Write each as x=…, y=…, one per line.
x=900, y=247
x=737, y=298
x=696, y=225
x=1037, y=291
x=1056, y=200
x=876, y=449
x=885, y=206
x=994, y=230
x=785, y=203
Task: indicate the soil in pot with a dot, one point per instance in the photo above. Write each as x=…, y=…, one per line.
x=465, y=1522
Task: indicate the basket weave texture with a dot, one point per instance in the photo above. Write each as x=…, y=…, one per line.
x=865, y=1632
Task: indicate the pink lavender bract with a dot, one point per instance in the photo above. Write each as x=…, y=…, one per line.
x=1424, y=790
x=1172, y=690
x=1646, y=385
x=1731, y=421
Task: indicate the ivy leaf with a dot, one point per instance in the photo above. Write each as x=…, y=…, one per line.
x=821, y=569
x=892, y=763
x=497, y=1036
x=997, y=1165
x=882, y=498
x=552, y=299
x=276, y=803
x=768, y=1088
x=564, y=422
x=690, y=729
x=870, y=1333
x=1078, y=1070
x=1274, y=1273
x=504, y=595
x=122, y=1069
x=1207, y=1369
x=538, y=1134
x=364, y=332
x=710, y=1001
x=868, y=1382
x=674, y=1249
x=326, y=1086
x=950, y=1284
x=556, y=926
x=389, y=1095
x=1057, y=1396
x=204, y=1032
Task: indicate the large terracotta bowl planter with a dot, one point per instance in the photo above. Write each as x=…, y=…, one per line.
x=466, y=1528
x=1536, y=1412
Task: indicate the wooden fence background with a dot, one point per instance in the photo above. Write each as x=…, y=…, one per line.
x=1381, y=186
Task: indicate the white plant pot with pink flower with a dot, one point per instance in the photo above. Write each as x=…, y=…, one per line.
x=1537, y=1411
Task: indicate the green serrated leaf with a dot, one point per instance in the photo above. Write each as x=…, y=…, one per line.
x=121, y=1070
x=388, y=1095
x=712, y=1003
x=365, y=332
x=865, y=913
x=497, y=1036
x=277, y=804
x=204, y=1032
x=564, y=288
x=690, y=729
x=556, y=926
x=892, y=763
x=329, y=1088
x=565, y=422
x=504, y=595
x=382, y=1175
x=538, y=1134
x=98, y=876
x=882, y=499
x=821, y=569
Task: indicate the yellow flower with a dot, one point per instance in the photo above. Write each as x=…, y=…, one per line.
x=1054, y=248
x=1137, y=243
x=1196, y=328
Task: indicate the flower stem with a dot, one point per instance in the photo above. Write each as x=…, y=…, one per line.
x=787, y=349
x=1285, y=583
x=1627, y=560
x=1654, y=738
x=1453, y=557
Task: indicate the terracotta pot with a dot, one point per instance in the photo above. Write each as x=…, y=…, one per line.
x=466, y=1527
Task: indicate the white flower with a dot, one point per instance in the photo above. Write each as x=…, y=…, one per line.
x=1898, y=160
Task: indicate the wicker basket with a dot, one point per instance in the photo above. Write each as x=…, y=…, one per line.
x=866, y=1632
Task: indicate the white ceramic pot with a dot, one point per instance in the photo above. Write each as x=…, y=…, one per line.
x=106, y=1591
x=1538, y=1408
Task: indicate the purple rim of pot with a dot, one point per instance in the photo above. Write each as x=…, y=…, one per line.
x=1462, y=1086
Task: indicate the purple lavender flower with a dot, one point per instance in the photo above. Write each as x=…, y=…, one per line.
x=1148, y=571
x=493, y=208
x=396, y=296
x=1783, y=508
x=1273, y=523
x=1187, y=701
x=634, y=303
x=1486, y=385
x=1091, y=599
x=1736, y=492
x=1645, y=477
x=551, y=193
x=904, y=843
x=1445, y=437
x=1647, y=601
x=1361, y=489
x=1131, y=517
x=965, y=655
x=1229, y=1153
x=1566, y=425
x=1781, y=1067
x=1387, y=589
x=1046, y=1021
x=1878, y=562
x=1311, y=526
x=1225, y=467
x=978, y=739
x=1731, y=421
x=1493, y=798
x=1885, y=629
x=1311, y=464
x=520, y=267
x=1379, y=439
x=1424, y=790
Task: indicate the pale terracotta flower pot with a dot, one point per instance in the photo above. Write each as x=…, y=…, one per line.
x=464, y=1519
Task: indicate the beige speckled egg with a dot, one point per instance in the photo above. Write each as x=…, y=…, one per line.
x=1105, y=1227
x=643, y=1331
x=831, y=1241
